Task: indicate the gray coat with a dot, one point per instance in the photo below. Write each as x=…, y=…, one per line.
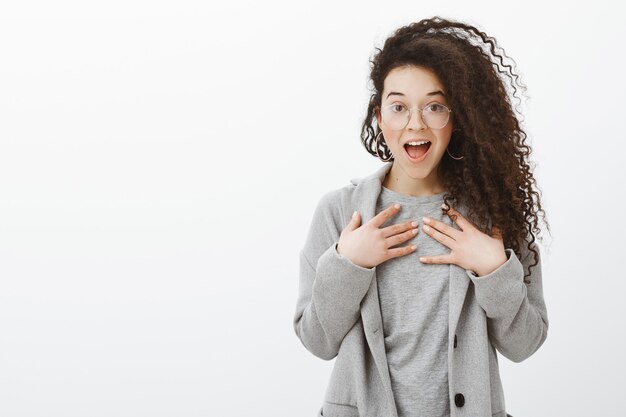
x=338, y=316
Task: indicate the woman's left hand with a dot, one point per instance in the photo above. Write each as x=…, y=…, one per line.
x=471, y=248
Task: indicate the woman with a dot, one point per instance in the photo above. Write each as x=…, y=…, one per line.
x=415, y=328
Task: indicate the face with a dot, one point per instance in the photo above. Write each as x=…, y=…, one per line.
x=409, y=87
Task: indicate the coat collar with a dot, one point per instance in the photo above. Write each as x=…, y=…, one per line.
x=364, y=200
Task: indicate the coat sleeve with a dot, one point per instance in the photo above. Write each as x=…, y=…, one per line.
x=517, y=318
x=331, y=287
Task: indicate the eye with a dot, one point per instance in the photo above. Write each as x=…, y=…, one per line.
x=436, y=108
x=396, y=107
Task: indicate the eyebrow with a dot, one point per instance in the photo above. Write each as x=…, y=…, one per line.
x=432, y=93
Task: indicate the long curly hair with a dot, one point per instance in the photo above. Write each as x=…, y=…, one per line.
x=494, y=180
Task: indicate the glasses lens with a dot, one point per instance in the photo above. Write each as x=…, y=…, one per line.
x=395, y=116
x=436, y=116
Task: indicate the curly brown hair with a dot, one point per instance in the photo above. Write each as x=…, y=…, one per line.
x=494, y=170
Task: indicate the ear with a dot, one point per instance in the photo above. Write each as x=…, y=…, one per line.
x=496, y=233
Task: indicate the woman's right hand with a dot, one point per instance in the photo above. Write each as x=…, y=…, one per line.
x=368, y=246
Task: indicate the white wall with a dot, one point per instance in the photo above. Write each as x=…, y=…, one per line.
x=159, y=167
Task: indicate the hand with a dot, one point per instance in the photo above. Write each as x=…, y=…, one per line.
x=368, y=246
x=471, y=248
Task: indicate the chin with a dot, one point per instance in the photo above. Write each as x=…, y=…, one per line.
x=417, y=171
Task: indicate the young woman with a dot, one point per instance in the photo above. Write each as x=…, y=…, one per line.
x=415, y=327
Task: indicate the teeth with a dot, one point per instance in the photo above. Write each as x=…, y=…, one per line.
x=421, y=142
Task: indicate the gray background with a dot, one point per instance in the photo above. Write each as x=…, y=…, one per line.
x=160, y=163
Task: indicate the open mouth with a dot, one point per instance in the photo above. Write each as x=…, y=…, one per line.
x=417, y=153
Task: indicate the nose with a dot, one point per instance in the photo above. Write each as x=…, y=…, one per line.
x=415, y=120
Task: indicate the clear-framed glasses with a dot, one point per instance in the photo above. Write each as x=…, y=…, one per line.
x=396, y=116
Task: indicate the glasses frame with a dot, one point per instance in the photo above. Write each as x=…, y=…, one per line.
x=421, y=113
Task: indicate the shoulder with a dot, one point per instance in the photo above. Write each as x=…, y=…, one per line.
x=332, y=204
x=329, y=219
x=336, y=195
x=337, y=205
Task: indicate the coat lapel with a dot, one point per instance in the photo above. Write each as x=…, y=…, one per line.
x=365, y=198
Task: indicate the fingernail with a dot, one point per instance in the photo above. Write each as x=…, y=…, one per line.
x=396, y=206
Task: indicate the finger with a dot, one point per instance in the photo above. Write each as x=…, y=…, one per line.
x=401, y=237
x=459, y=219
x=443, y=259
x=384, y=215
x=438, y=236
x=398, y=228
x=354, y=222
x=442, y=227
x=397, y=252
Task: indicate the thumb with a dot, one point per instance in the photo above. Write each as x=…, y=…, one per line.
x=355, y=221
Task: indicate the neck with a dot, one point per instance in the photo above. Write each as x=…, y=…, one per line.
x=416, y=187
